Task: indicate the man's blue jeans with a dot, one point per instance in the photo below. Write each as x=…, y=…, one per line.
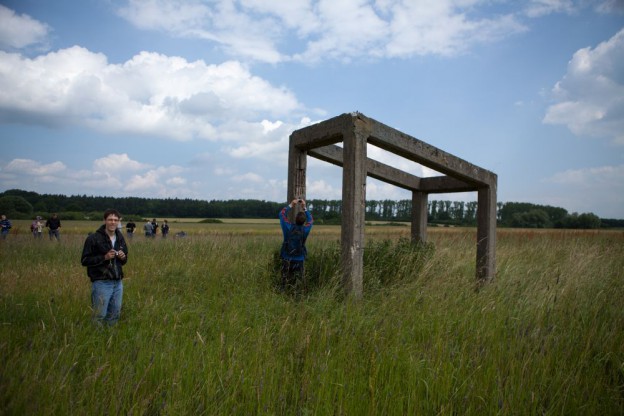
x=55, y=234
x=106, y=296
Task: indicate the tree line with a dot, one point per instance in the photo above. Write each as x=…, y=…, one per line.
x=20, y=204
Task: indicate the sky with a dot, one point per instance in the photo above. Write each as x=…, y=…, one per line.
x=197, y=98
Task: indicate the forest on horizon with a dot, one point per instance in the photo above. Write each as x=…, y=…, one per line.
x=20, y=204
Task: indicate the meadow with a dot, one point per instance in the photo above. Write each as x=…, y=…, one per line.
x=205, y=332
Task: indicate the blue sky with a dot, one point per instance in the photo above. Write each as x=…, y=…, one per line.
x=197, y=98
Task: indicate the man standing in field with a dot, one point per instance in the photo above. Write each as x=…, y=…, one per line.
x=130, y=226
x=149, y=229
x=294, y=252
x=5, y=226
x=54, y=227
x=104, y=253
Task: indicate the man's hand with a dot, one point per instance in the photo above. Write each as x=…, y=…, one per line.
x=299, y=201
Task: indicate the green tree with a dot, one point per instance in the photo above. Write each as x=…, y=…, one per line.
x=589, y=221
x=535, y=218
x=15, y=207
x=585, y=221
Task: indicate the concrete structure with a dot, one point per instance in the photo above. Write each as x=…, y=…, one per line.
x=356, y=130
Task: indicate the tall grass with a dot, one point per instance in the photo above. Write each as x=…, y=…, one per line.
x=203, y=330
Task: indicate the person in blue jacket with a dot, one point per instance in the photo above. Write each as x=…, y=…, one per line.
x=5, y=226
x=294, y=252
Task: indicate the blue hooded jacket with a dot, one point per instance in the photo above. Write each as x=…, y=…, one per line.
x=287, y=226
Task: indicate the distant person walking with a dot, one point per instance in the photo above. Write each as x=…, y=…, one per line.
x=164, y=229
x=294, y=252
x=54, y=227
x=104, y=253
x=36, y=227
x=148, y=228
x=154, y=227
x=5, y=226
x=130, y=226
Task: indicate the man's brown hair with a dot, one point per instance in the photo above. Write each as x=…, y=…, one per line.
x=300, y=218
x=110, y=212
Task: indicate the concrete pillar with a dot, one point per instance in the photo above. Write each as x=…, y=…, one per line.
x=486, y=232
x=297, y=165
x=353, y=211
x=419, y=216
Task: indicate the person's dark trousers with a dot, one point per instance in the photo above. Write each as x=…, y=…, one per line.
x=293, y=271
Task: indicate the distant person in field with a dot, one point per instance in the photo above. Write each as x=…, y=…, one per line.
x=130, y=226
x=164, y=229
x=53, y=224
x=36, y=227
x=154, y=227
x=5, y=226
x=148, y=228
x=294, y=252
x=104, y=253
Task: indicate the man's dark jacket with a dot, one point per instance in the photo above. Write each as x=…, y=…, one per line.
x=95, y=248
x=54, y=223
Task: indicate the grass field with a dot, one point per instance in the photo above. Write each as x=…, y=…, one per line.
x=203, y=330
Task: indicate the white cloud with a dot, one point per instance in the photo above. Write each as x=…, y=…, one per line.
x=317, y=30
x=17, y=32
x=41, y=176
x=176, y=181
x=223, y=22
x=378, y=190
x=224, y=171
x=110, y=175
x=171, y=16
x=143, y=183
x=590, y=97
x=101, y=183
x=248, y=177
x=151, y=94
x=601, y=188
x=321, y=189
x=608, y=6
x=442, y=28
x=153, y=182
x=604, y=177
x=116, y=163
x=344, y=30
x=32, y=168
x=537, y=8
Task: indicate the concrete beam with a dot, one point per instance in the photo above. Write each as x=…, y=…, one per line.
x=445, y=184
x=327, y=132
x=411, y=148
x=386, y=173
x=334, y=155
